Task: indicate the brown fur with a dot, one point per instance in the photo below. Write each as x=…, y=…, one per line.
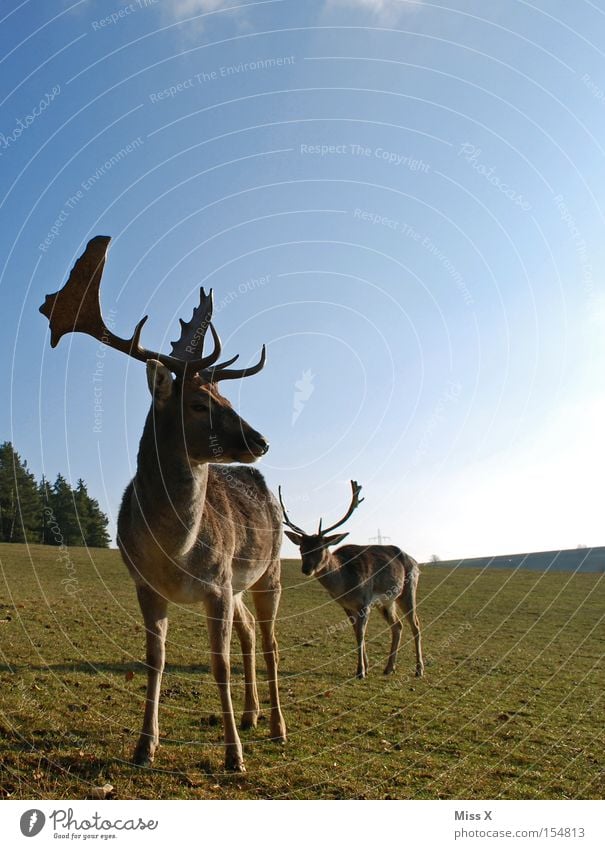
x=193, y=531
x=361, y=577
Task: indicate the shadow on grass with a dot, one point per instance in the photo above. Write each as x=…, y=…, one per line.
x=40, y=740
x=118, y=668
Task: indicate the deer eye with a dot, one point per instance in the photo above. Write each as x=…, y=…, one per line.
x=199, y=408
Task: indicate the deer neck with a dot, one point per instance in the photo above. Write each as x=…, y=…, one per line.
x=329, y=574
x=169, y=489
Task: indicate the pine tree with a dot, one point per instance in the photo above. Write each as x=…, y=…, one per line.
x=19, y=498
x=97, y=536
x=29, y=502
x=93, y=522
x=7, y=492
x=44, y=491
x=65, y=528
x=83, y=512
x=43, y=513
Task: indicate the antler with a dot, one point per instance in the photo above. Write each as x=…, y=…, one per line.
x=355, y=502
x=221, y=372
x=286, y=519
x=190, y=344
x=76, y=309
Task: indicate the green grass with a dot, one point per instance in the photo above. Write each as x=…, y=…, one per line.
x=511, y=705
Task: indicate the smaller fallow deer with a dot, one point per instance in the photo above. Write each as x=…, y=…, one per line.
x=360, y=577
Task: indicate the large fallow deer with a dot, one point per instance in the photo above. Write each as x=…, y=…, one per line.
x=190, y=529
x=360, y=577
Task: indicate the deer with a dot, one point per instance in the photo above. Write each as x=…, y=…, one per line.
x=360, y=577
x=191, y=527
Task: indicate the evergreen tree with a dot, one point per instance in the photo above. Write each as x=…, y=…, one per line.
x=7, y=492
x=43, y=513
x=65, y=529
x=93, y=522
x=97, y=536
x=83, y=511
x=19, y=498
x=45, y=518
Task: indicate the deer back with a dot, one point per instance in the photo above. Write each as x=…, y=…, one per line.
x=377, y=569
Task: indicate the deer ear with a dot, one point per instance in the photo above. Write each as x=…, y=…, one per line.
x=295, y=538
x=334, y=539
x=159, y=380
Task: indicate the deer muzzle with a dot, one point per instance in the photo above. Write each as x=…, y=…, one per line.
x=257, y=444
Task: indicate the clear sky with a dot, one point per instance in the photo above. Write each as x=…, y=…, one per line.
x=404, y=200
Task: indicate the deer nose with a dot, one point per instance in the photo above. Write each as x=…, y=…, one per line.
x=263, y=444
x=258, y=443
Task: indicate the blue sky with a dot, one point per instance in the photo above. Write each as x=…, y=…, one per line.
x=403, y=200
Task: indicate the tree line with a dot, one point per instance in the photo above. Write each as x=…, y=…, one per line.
x=43, y=512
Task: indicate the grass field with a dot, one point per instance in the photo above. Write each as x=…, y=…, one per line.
x=511, y=705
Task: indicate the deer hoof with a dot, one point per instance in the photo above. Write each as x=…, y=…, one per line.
x=249, y=720
x=234, y=760
x=279, y=736
x=360, y=675
x=277, y=728
x=419, y=671
x=143, y=756
x=389, y=671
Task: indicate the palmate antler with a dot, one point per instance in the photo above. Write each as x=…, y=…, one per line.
x=76, y=309
x=355, y=502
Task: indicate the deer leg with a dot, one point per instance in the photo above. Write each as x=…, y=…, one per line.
x=390, y=615
x=266, y=602
x=153, y=608
x=407, y=602
x=359, y=627
x=219, y=614
x=243, y=621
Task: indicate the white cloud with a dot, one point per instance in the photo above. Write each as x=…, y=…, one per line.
x=383, y=11
x=184, y=8
x=198, y=13
x=188, y=8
